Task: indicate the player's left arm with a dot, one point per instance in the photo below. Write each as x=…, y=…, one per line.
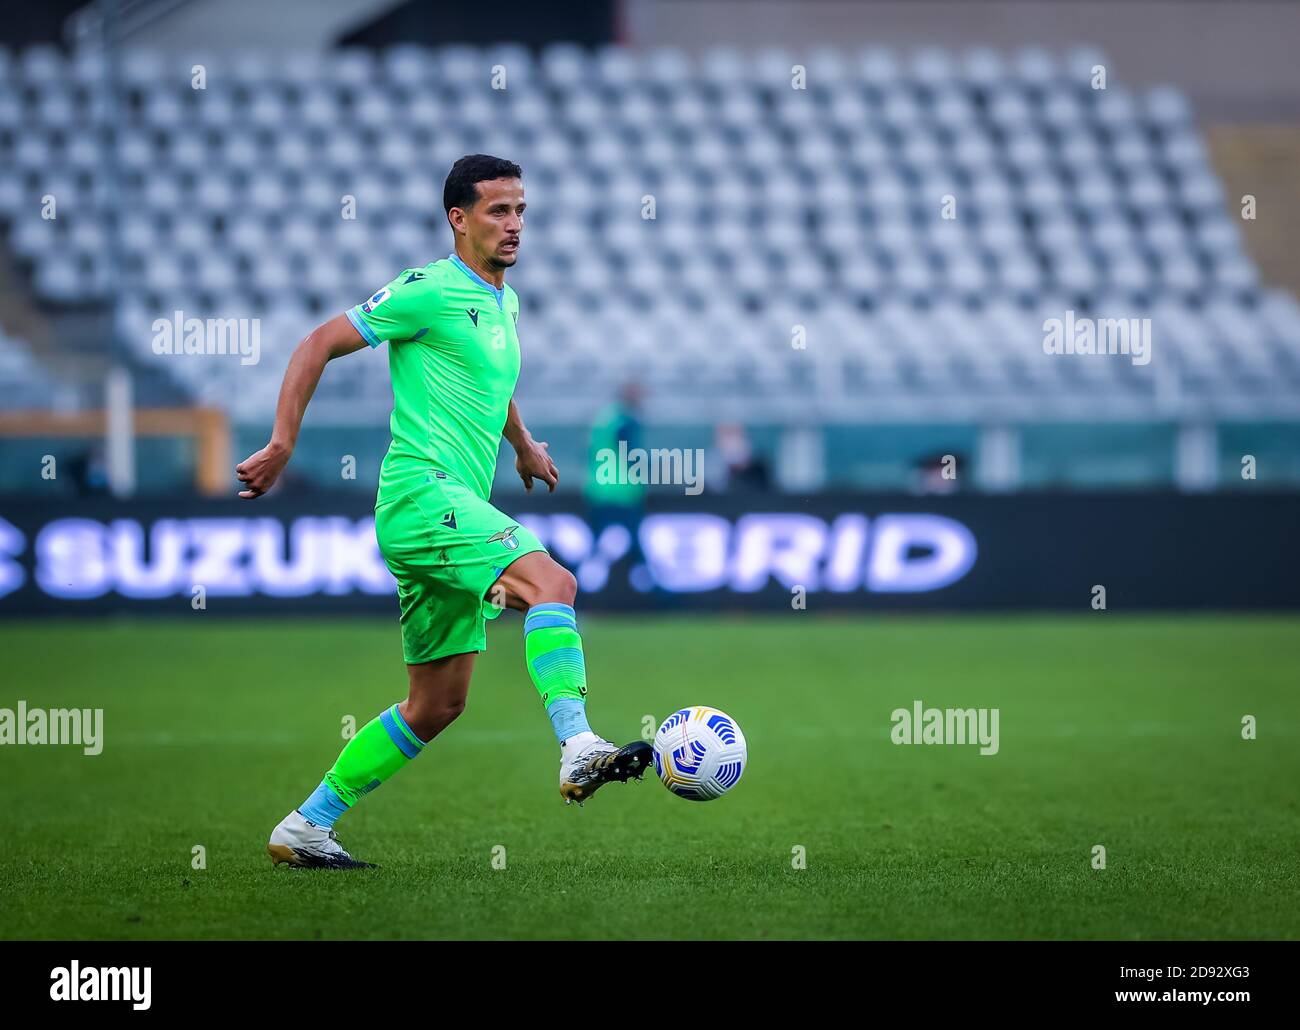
x=532, y=459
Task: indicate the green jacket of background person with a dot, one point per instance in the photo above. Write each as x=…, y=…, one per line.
x=614, y=425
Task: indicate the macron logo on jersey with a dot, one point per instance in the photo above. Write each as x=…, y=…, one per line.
x=473, y=315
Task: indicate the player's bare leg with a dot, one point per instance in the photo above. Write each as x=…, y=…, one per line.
x=438, y=690
x=436, y=696
x=545, y=591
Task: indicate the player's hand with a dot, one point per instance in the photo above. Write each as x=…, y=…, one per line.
x=260, y=470
x=533, y=461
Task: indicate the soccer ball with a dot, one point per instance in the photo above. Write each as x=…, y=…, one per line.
x=700, y=753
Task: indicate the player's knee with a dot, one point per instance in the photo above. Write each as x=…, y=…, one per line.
x=569, y=586
x=427, y=717
x=561, y=585
x=452, y=710
x=545, y=581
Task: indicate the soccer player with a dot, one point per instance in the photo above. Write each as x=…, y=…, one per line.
x=454, y=358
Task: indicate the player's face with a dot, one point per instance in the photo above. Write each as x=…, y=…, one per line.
x=493, y=225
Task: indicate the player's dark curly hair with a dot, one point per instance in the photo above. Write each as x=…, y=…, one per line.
x=459, y=190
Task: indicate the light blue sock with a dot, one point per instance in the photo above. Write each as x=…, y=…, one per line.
x=323, y=807
x=568, y=717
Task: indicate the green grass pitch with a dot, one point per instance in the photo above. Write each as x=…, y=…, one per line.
x=1115, y=729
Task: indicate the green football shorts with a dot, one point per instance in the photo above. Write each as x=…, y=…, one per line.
x=446, y=546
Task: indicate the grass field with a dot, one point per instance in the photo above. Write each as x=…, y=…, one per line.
x=1117, y=730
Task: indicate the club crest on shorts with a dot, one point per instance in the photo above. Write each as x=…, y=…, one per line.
x=507, y=538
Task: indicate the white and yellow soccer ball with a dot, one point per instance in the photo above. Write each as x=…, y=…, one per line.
x=700, y=753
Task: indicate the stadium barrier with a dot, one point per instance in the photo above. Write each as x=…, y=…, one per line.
x=208, y=427
x=1093, y=552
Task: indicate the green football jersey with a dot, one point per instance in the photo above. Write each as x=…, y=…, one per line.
x=453, y=353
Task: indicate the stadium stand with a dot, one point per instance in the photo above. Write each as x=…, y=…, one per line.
x=773, y=208
x=23, y=383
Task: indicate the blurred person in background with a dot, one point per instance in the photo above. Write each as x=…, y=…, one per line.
x=89, y=471
x=937, y=473
x=737, y=466
x=617, y=430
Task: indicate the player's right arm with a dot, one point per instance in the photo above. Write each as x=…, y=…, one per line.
x=400, y=311
x=335, y=338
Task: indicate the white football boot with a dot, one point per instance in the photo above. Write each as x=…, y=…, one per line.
x=304, y=844
x=587, y=763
